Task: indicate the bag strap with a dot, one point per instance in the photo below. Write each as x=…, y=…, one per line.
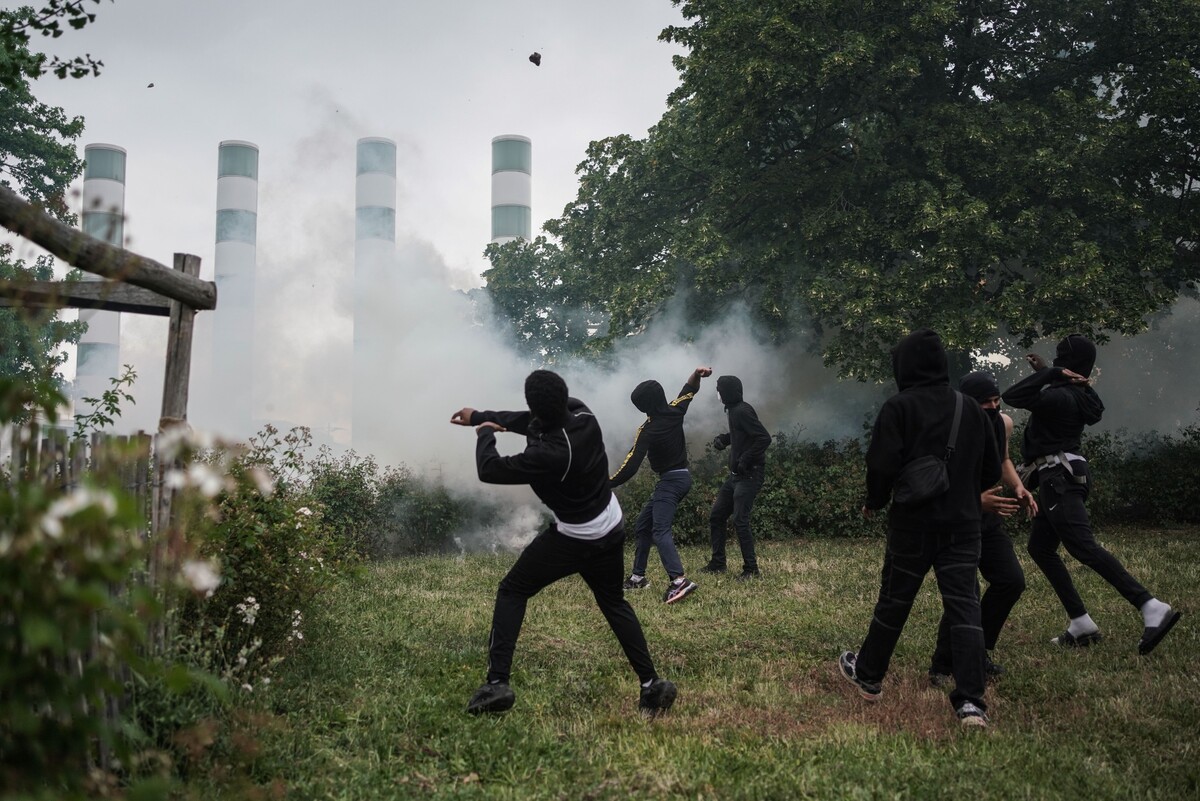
x=958, y=406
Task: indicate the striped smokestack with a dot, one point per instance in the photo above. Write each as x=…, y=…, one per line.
x=98, y=356
x=374, y=251
x=234, y=267
x=512, y=170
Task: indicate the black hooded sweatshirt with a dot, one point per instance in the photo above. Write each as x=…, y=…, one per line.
x=565, y=465
x=916, y=422
x=747, y=439
x=661, y=435
x=1059, y=408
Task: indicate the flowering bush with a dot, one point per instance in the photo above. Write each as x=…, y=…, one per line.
x=72, y=615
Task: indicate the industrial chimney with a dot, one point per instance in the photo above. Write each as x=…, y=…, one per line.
x=98, y=356
x=374, y=252
x=512, y=168
x=234, y=269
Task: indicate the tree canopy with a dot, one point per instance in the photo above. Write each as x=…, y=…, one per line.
x=854, y=169
x=39, y=160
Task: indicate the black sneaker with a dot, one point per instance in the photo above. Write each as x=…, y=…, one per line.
x=713, y=567
x=492, y=698
x=971, y=715
x=657, y=698
x=869, y=690
x=636, y=583
x=747, y=575
x=939, y=679
x=1069, y=640
x=992, y=671
x=678, y=590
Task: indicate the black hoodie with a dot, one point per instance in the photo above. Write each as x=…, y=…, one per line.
x=747, y=436
x=916, y=422
x=661, y=435
x=565, y=465
x=1059, y=408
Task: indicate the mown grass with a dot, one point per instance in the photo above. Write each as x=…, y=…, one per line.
x=372, y=708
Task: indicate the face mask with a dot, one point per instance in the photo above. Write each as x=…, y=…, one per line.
x=993, y=414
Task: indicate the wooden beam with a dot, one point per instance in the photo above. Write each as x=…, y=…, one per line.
x=88, y=253
x=179, y=352
x=106, y=295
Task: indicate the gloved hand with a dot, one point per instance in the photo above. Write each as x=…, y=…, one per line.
x=718, y=444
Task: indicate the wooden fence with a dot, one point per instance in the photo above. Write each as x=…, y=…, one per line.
x=52, y=457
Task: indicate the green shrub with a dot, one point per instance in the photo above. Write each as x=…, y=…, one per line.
x=810, y=489
x=1144, y=478
x=73, y=615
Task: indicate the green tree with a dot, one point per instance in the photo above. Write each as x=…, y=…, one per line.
x=31, y=341
x=858, y=168
x=38, y=159
x=543, y=298
x=18, y=63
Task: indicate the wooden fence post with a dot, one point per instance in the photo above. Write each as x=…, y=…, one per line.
x=174, y=413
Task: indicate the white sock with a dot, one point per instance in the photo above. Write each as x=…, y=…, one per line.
x=1082, y=625
x=647, y=683
x=1154, y=612
x=635, y=577
x=678, y=580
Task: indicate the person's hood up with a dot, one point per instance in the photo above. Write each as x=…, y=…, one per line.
x=919, y=360
x=979, y=385
x=650, y=398
x=729, y=387
x=1077, y=354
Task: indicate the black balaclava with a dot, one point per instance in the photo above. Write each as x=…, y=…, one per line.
x=1077, y=354
x=649, y=397
x=729, y=388
x=919, y=360
x=982, y=387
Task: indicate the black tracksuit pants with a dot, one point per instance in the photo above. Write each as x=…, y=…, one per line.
x=1063, y=518
x=955, y=560
x=553, y=556
x=736, y=499
x=1006, y=581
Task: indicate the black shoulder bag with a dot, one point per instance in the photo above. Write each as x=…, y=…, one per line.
x=928, y=477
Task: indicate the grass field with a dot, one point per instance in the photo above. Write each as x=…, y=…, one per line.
x=372, y=707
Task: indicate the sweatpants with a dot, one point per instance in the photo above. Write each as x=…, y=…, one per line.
x=553, y=556
x=736, y=498
x=954, y=559
x=655, y=521
x=1006, y=581
x=1063, y=518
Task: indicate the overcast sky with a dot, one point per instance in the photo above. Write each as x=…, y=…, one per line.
x=304, y=80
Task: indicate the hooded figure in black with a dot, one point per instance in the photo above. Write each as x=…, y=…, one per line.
x=998, y=562
x=566, y=466
x=661, y=438
x=747, y=441
x=941, y=532
x=1061, y=402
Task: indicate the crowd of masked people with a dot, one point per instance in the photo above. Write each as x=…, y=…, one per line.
x=937, y=460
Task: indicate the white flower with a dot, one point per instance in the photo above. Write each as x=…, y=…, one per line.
x=78, y=500
x=205, y=478
x=263, y=481
x=304, y=510
x=247, y=688
x=201, y=576
x=175, y=479
x=266, y=680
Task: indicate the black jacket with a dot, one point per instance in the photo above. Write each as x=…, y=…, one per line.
x=566, y=466
x=747, y=439
x=1059, y=409
x=916, y=422
x=661, y=435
